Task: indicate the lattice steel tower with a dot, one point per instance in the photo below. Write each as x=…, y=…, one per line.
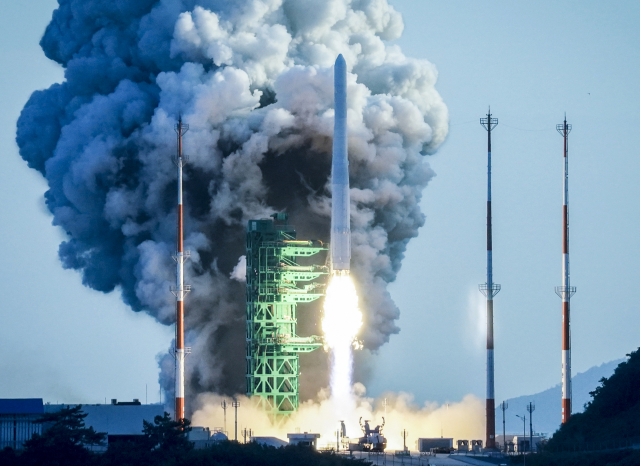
x=273, y=294
x=490, y=289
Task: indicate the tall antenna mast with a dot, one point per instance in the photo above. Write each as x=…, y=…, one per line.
x=490, y=289
x=180, y=290
x=531, y=408
x=566, y=291
x=504, y=406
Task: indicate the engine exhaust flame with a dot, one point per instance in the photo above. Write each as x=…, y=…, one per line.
x=341, y=323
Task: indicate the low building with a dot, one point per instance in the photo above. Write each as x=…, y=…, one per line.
x=203, y=437
x=199, y=434
x=426, y=445
x=476, y=446
x=17, y=418
x=305, y=439
x=269, y=441
x=522, y=443
x=463, y=445
x=507, y=440
x=120, y=420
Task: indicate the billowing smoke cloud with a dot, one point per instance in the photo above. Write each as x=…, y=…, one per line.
x=254, y=80
x=460, y=420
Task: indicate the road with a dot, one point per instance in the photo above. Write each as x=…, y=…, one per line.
x=389, y=459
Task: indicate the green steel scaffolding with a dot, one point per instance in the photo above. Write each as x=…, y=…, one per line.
x=273, y=293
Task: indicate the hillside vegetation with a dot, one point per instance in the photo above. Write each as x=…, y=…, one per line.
x=612, y=415
x=609, y=424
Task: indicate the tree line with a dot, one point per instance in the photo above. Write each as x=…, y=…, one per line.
x=604, y=433
x=66, y=441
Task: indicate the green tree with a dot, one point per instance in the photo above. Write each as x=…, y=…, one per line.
x=166, y=434
x=8, y=457
x=64, y=439
x=164, y=442
x=613, y=415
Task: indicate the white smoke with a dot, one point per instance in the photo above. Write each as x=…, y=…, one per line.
x=253, y=79
x=460, y=420
x=239, y=272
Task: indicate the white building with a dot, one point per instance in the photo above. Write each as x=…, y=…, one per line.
x=522, y=443
x=306, y=439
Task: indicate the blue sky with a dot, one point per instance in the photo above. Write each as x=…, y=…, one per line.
x=531, y=62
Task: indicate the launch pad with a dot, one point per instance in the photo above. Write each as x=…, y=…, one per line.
x=273, y=293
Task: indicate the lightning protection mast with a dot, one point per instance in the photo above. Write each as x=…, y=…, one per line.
x=566, y=291
x=180, y=290
x=490, y=289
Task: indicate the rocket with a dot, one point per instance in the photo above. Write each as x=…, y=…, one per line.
x=340, y=216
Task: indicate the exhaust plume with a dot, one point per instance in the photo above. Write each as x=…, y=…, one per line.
x=459, y=420
x=253, y=79
x=341, y=322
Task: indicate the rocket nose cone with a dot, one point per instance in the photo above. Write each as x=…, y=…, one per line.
x=340, y=74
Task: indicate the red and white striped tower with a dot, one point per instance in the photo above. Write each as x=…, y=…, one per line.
x=180, y=290
x=490, y=289
x=566, y=291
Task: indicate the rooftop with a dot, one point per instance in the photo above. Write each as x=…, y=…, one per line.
x=21, y=406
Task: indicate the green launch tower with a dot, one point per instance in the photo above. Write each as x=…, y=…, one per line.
x=276, y=283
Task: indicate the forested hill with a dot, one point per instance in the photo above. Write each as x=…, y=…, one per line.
x=612, y=415
x=547, y=416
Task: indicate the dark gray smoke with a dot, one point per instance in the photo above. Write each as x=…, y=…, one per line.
x=254, y=80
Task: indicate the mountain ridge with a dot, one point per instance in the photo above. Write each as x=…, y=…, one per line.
x=547, y=414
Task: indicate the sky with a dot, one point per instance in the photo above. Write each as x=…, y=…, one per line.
x=531, y=62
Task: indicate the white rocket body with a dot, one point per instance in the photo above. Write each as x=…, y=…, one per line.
x=340, y=212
